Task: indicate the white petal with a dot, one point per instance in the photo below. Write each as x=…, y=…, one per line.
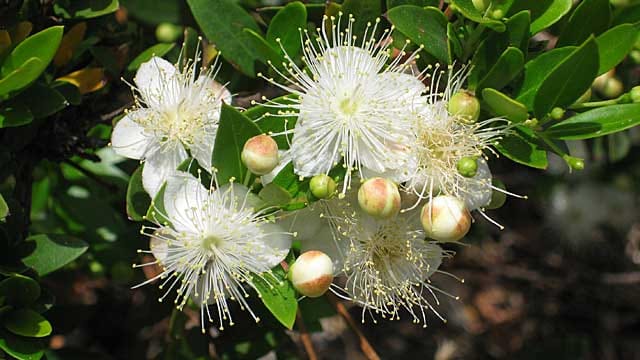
x=201, y=150
x=153, y=78
x=239, y=197
x=128, y=138
x=478, y=189
x=159, y=165
x=278, y=243
x=184, y=193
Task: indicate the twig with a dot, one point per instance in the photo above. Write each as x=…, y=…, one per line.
x=305, y=337
x=365, y=346
x=105, y=118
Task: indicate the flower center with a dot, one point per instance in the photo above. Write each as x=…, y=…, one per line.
x=211, y=242
x=348, y=106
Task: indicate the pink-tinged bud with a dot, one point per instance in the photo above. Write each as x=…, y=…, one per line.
x=445, y=218
x=312, y=273
x=379, y=198
x=260, y=154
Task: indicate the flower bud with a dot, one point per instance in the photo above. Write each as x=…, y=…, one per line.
x=612, y=88
x=260, y=154
x=498, y=198
x=379, y=198
x=481, y=5
x=557, y=113
x=468, y=166
x=445, y=218
x=168, y=32
x=466, y=106
x=497, y=14
x=312, y=273
x=322, y=186
x=635, y=94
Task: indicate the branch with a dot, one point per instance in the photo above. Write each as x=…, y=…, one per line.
x=305, y=337
x=365, y=346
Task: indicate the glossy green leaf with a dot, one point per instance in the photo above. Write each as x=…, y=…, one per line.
x=568, y=80
x=508, y=66
x=19, y=290
x=21, y=348
x=271, y=120
x=424, y=26
x=288, y=180
x=265, y=52
x=156, y=210
x=523, y=147
x=518, y=30
x=222, y=21
x=234, y=130
x=363, y=11
x=155, y=50
x=42, y=45
x=155, y=12
x=138, y=200
x=26, y=322
x=536, y=70
x=597, y=122
x=628, y=15
x=591, y=17
x=49, y=101
x=278, y=295
x=14, y=114
x=615, y=44
x=21, y=77
x=53, y=251
x=85, y=9
x=500, y=104
x=544, y=13
x=286, y=26
x=421, y=3
x=454, y=42
x=274, y=195
x=468, y=10
x=4, y=208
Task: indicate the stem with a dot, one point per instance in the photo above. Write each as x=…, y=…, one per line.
x=365, y=346
x=247, y=177
x=594, y=104
x=305, y=337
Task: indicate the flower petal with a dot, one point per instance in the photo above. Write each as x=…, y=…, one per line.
x=202, y=149
x=153, y=78
x=278, y=243
x=159, y=165
x=128, y=138
x=478, y=188
x=184, y=195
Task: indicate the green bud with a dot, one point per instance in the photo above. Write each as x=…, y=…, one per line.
x=531, y=123
x=322, y=186
x=612, y=88
x=498, y=198
x=167, y=32
x=481, y=5
x=635, y=56
x=635, y=94
x=466, y=106
x=497, y=14
x=557, y=113
x=468, y=166
x=574, y=162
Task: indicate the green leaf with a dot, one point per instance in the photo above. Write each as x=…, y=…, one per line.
x=615, y=44
x=21, y=77
x=523, y=147
x=274, y=195
x=271, y=120
x=537, y=69
x=234, y=130
x=288, y=180
x=363, y=11
x=85, y=9
x=156, y=210
x=21, y=348
x=138, y=200
x=155, y=50
x=568, y=80
x=19, y=290
x=629, y=15
x=4, y=208
x=508, y=66
x=53, y=251
x=421, y=3
x=278, y=295
x=500, y=104
x=14, y=114
x=597, y=122
x=286, y=25
x=424, y=26
x=222, y=21
x=468, y=10
x=591, y=17
x=544, y=13
x=265, y=51
x=69, y=91
x=155, y=12
x=454, y=42
x=49, y=101
x=42, y=45
x=518, y=30
x=26, y=322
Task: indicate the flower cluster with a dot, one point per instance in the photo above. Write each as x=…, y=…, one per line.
x=395, y=160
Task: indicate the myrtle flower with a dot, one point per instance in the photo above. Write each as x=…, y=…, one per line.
x=442, y=139
x=175, y=113
x=212, y=246
x=351, y=106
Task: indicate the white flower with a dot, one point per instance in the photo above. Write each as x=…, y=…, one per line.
x=213, y=246
x=175, y=112
x=351, y=106
x=443, y=139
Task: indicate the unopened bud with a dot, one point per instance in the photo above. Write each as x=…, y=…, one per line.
x=379, y=198
x=260, y=154
x=468, y=166
x=612, y=88
x=557, y=113
x=498, y=198
x=466, y=106
x=497, y=14
x=322, y=186
x=481, y=5
x=635, y=94
x=168, y=32
x=574, y=162
x=445, y=218
x=312, y=273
